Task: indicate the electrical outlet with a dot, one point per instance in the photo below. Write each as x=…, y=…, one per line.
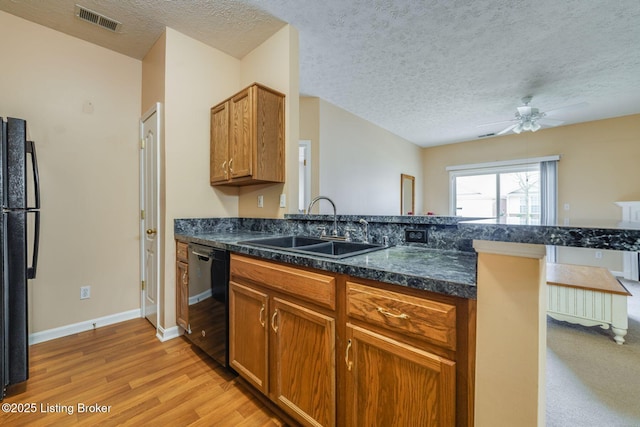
x=260, y=201
x=85, y=292
x=283, y=200
x=415, y=235
x=598, y=254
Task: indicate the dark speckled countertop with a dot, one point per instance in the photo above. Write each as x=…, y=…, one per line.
x=445, y=264
x=442, y=271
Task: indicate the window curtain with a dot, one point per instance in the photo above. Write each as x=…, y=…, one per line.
x=549, y=199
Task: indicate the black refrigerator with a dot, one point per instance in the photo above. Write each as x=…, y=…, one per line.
x=19, y=235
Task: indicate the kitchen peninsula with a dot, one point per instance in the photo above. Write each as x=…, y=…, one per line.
x=495, y=269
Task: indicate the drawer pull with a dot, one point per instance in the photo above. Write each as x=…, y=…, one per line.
x=346, y=356
x=390, y=314
x=260, y=317
x=273, y=321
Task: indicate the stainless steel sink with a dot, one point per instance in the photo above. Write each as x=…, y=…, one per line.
x=284, y=242
x=315, y=246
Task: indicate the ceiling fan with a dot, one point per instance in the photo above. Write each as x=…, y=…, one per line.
x=528, y=118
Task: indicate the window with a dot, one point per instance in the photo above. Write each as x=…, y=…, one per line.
x=515, y=192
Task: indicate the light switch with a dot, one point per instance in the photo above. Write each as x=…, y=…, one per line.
x=260, y=201
x=283, y=200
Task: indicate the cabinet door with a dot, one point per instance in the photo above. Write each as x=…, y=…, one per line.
x=393, y=384
x=242, y=128
x=219, y=148
x=248, y=334
x=182, y=294
x=303, y=368
x=269, y=134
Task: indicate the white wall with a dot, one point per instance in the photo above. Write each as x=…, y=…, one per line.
x=82, y=105
x=361, y=163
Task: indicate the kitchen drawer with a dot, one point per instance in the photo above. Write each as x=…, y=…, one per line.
x=409, y=315
x=182, y=251
x=306, y=285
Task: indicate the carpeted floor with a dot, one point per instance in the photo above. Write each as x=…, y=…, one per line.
x=591, y=380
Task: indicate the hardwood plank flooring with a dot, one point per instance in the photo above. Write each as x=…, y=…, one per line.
x=135, y=379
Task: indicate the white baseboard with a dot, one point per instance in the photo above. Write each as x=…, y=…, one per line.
x=167, y=334
x=63, y=331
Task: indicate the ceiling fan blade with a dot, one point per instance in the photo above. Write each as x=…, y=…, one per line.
x=568, y=107
x=503, y=131
x=497, y=123
x=549, y=122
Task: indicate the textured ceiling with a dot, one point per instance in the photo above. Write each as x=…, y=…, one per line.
x=430, y=71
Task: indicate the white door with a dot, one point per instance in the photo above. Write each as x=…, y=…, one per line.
x=304, y=175
x=150, y=212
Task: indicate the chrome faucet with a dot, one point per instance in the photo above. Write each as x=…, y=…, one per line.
x=334, y=233
x=366, y=230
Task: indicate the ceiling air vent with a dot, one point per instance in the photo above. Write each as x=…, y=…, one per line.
x=97, y=19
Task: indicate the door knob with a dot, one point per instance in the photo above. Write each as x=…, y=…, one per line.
x=151, y=231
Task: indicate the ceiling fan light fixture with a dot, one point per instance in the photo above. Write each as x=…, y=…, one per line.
x=526, y=119
x=518, y=128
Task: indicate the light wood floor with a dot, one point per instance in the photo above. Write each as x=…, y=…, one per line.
x=141, y=380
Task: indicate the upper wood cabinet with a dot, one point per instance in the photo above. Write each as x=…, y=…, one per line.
x=247, y=138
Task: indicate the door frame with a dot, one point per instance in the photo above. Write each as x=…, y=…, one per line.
x=305, y=181
x=155, y=109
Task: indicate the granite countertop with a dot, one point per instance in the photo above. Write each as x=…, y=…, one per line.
x=595, y=234
x=443, y=271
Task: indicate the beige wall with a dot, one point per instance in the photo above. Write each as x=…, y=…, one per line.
x=598, y=167
x=82, y=104
x=153, y=74
x=275, y=64
x=359, y=163
x=310, y=130
x=196, y=77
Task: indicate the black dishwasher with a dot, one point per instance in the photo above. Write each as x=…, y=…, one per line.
x=209, y=301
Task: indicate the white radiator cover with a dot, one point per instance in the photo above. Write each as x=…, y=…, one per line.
x=589, y=308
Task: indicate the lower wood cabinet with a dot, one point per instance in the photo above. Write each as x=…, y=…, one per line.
x=335, y=350
x=249, y=334
x=283, y=346
x=182, y=284
x=389, y=383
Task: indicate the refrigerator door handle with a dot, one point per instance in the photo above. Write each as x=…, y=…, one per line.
x=31, y=148
x=31, y=271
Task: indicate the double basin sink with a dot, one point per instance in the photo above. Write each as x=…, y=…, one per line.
x=314, y=246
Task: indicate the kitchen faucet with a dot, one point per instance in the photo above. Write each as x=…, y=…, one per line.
x=334, y=233
x=366, y=230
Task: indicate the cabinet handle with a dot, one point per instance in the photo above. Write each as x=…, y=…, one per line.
x=185, y=281
x=260, y=317
x=224, y=167
x=346, y=356
x=273, y=321
x=390, y=314
x=231, y=165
